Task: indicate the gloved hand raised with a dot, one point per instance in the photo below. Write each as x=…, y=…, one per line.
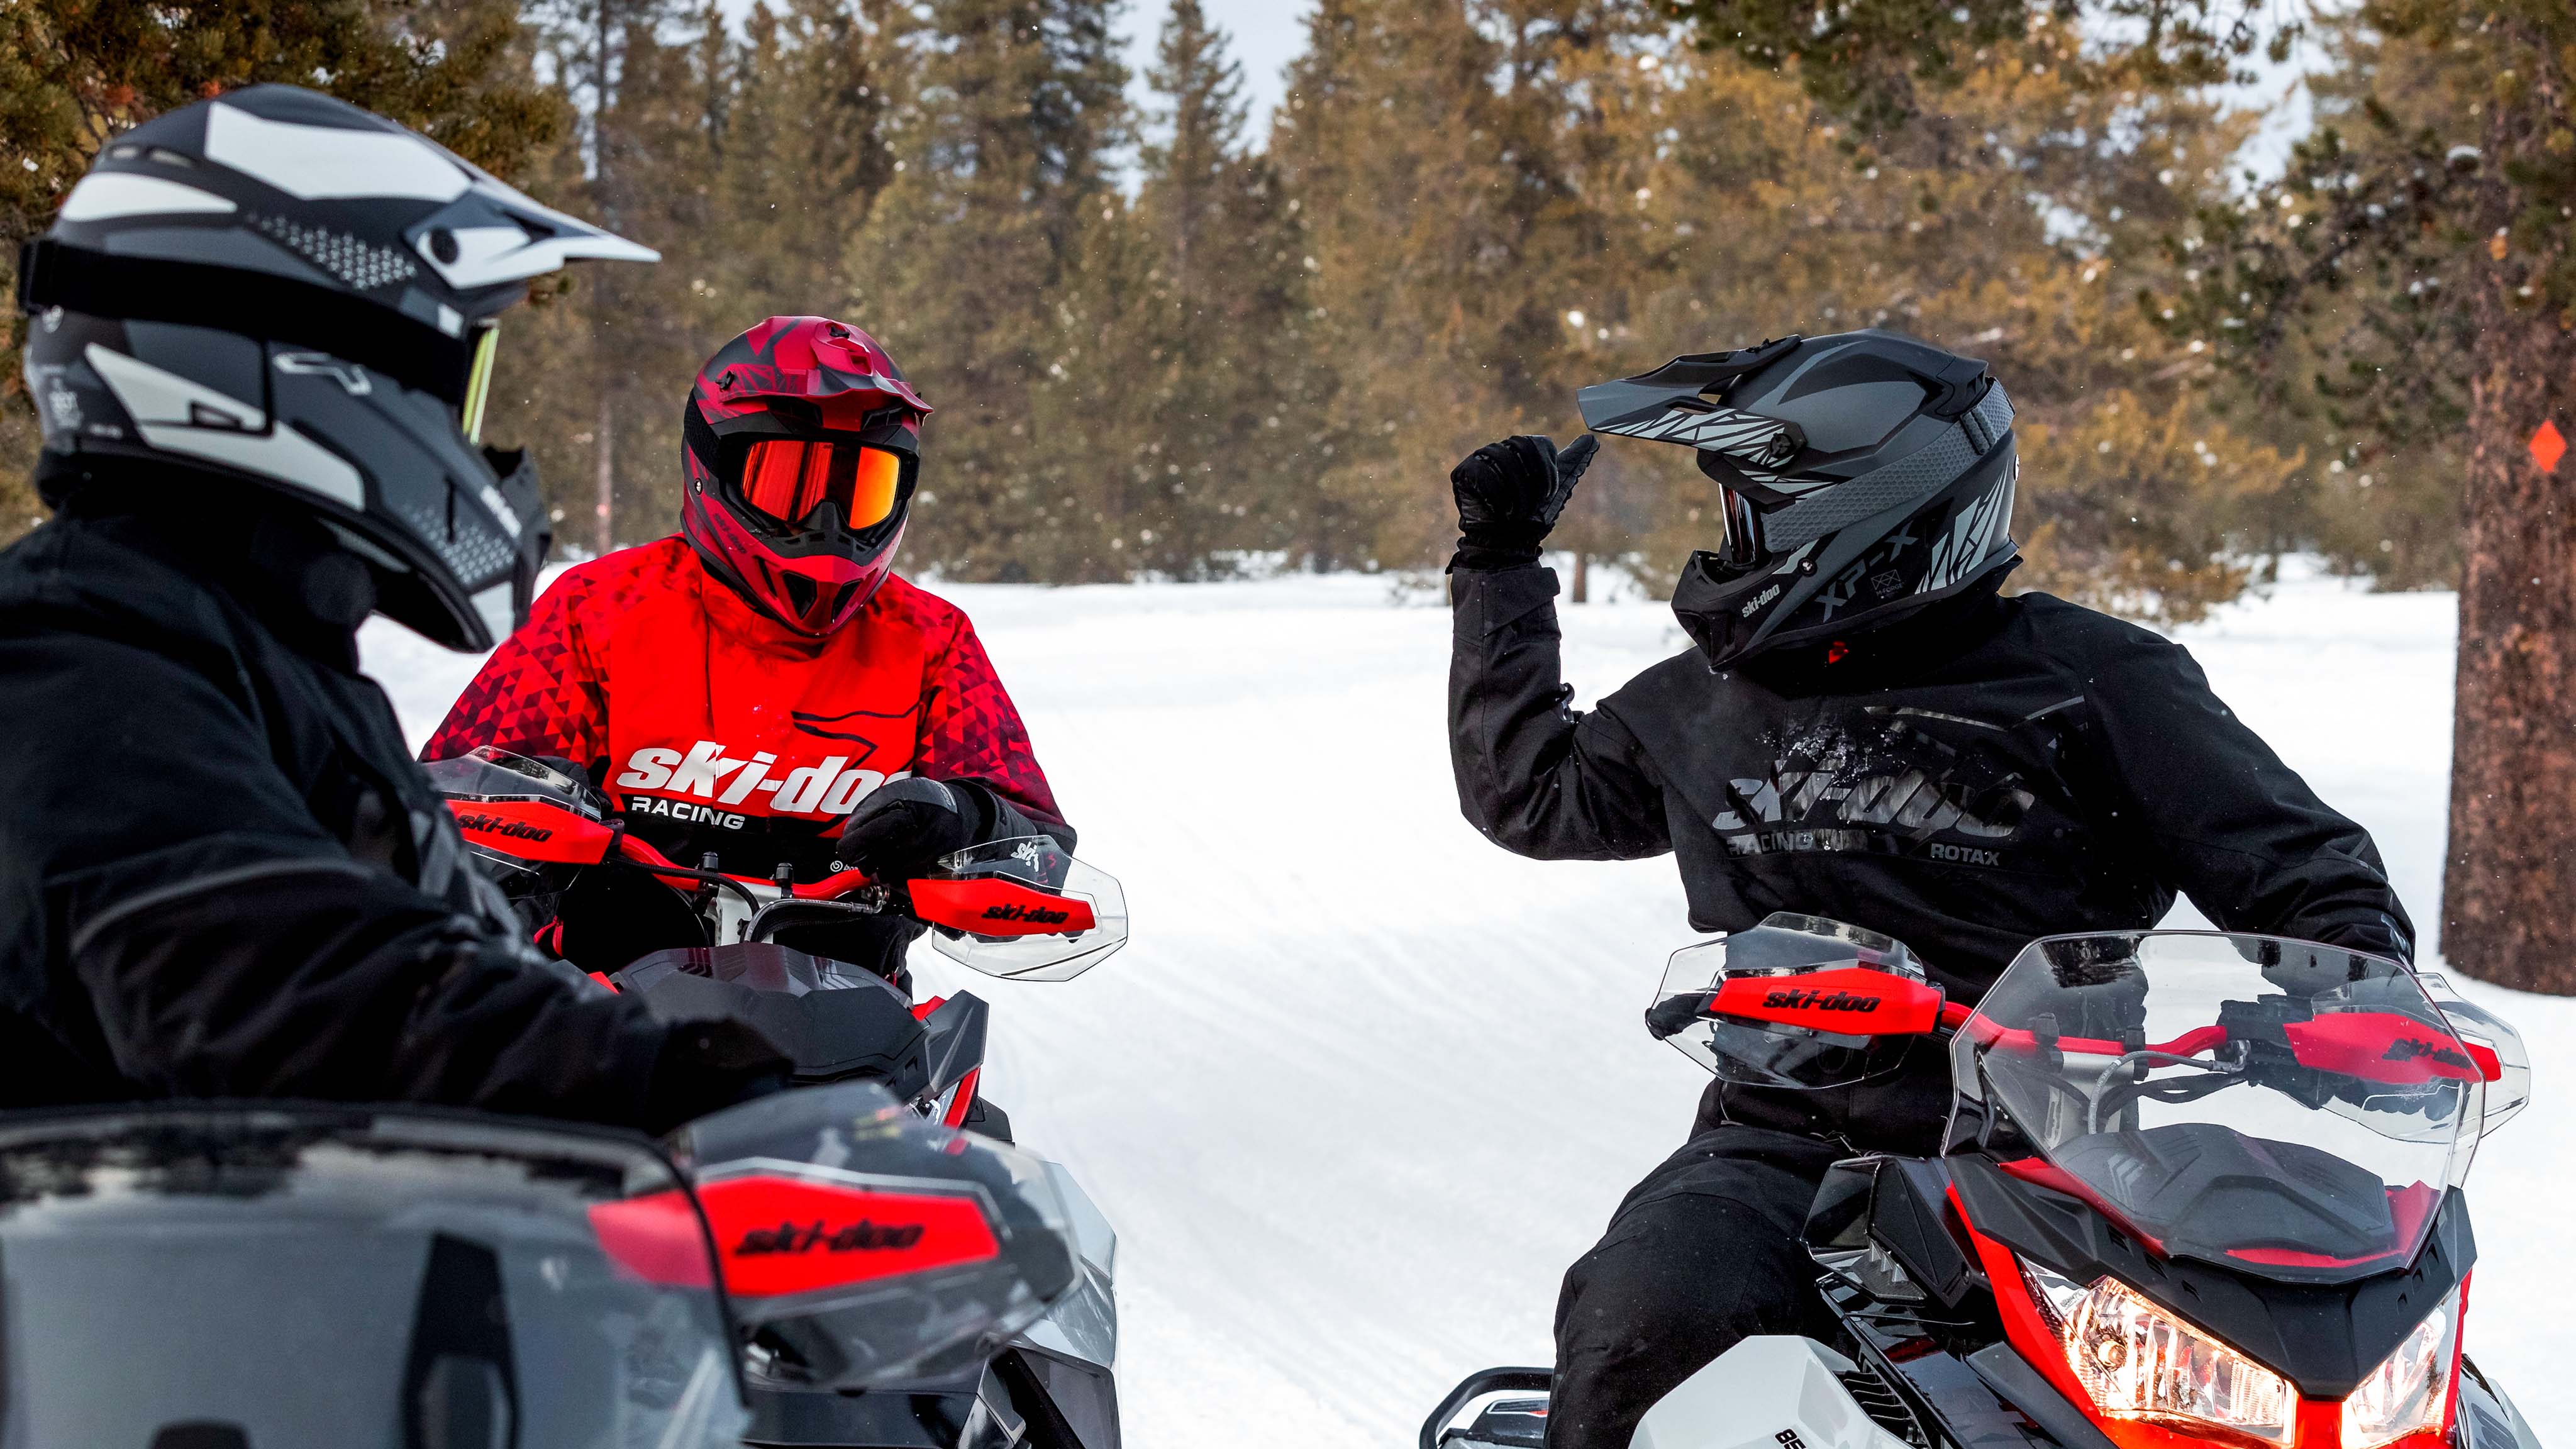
x=900, y=829
x=1510, y=493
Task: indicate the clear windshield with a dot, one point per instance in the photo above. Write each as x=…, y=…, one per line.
x=2243, y=1099
x=342, y=1277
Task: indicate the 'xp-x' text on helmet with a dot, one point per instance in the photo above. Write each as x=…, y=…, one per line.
x=802, y=443
x=1862, y=476
x=277, y=288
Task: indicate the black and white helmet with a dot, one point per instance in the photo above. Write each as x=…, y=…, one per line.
x=277, y=287
x=1862, y=476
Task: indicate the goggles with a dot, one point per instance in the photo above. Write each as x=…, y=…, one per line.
x=786, y=479
x=1742, y=547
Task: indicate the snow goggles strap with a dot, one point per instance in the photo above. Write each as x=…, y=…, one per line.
x=788, y=478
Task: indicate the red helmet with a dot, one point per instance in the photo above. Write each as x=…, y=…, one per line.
x=801, y=443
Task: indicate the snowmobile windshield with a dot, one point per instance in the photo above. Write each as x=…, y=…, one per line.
x=2270, y=1105
x=272, y=1275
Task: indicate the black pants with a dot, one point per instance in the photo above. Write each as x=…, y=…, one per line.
x=1703, y=1253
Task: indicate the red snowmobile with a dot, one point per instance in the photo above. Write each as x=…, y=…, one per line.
x=1018, y=909
x=2196, y=1189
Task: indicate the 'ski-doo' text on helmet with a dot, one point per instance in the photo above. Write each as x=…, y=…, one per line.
x=277, y=288
x=802, y=443
x=1862, y=476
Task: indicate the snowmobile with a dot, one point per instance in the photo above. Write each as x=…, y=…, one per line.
x=2196, y=1188
x=253, y=1275
x=1017, y=909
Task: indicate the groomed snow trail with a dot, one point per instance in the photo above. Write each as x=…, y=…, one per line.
x=1364, y=1084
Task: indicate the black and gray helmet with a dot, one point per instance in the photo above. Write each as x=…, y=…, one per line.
x=277, y=287
x=1862, y=477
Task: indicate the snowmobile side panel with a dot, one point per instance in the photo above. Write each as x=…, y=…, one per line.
x=2025, y=1388
x=2487, y=1419
x=1969, y=1413
x=1069, y=1404
x=1771, y=1391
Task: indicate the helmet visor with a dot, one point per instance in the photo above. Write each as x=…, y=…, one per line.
x=786, y=479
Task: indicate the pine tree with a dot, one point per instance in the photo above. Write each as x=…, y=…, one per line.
x=591, y=382
x=802, y=153
x=1221, y=322
x=1003, y=161
x=1390, y=145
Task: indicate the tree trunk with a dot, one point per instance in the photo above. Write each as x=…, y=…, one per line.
x=1582, y=578
x=604, y=536
x=2509, y=885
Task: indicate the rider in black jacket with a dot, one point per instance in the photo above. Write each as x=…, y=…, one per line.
x=1866, y=730
x=260, y=333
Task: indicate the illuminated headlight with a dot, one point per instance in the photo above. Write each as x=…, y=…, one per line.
x=2138, y=1362
x=2409, y=1390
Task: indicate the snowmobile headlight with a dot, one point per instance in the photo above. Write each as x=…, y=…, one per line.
x=2139, y=1362
x=2409, y=1390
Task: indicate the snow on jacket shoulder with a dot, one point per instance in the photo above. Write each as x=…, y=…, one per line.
x=721, y=730
x=222, y=875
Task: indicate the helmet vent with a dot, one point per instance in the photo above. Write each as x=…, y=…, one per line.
x=357, y=264
x=801, y=592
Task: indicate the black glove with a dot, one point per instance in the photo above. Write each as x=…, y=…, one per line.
x=1509, y=496
x=900, y=829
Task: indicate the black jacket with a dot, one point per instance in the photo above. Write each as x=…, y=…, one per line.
x=222, y=875
x=1987, y=772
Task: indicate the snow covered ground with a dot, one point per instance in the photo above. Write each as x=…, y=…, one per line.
x=1364, y=1084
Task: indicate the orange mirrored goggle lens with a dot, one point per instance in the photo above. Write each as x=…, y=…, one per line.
x=788, y=478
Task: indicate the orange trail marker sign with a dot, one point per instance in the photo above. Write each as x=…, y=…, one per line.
x=2547, y=447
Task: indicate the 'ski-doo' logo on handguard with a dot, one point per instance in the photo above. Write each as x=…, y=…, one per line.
x=1795, y=999
x=1039, y=915
x=2408, y=1048
x=499, y=825
x=863, y=1236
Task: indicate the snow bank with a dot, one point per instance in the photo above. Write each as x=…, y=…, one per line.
x=1364, y=1084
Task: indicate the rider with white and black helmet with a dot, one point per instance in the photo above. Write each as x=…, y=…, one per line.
x=1864, y=729
x=259, y=340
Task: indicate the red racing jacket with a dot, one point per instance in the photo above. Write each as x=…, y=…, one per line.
x=718, y=730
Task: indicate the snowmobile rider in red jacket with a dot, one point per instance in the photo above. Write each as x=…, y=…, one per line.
x=260, y=332
x=762, y=688
x=1863, y=729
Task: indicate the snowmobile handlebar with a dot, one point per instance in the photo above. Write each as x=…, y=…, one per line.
x=1860, y=1002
